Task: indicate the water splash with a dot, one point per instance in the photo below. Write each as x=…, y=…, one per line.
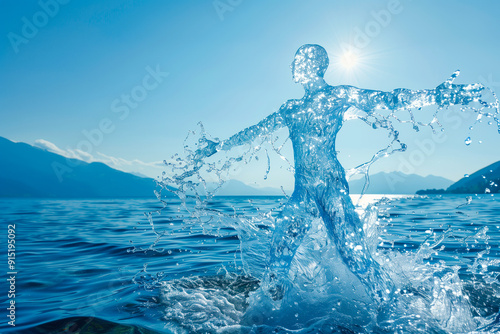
x=315, y=257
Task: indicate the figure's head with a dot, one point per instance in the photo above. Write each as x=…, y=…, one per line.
x=310, y=63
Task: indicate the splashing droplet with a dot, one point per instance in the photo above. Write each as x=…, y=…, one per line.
x=468, y=141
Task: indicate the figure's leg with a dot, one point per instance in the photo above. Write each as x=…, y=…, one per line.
x=291, y=226
x=346, y=230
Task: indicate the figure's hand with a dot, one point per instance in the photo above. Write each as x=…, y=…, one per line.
x=209, y=148
x=448, y=93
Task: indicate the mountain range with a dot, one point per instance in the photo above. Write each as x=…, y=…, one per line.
x=485, y=180
x=27, y=171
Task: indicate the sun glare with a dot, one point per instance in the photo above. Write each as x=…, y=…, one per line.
x=348, y=60
x=351, y=65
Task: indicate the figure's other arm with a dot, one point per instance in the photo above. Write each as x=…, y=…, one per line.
x=267, y=125
x=370, y=100
x=445, y=94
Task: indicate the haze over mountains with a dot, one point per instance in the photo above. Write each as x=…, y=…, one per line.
x=27, y=171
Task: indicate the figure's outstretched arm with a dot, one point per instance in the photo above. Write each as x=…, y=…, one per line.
x=445, y=94
x=369, y=100
x=267, y=125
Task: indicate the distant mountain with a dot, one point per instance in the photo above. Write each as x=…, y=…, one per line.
x=380, y=183
x=485, y=180
x=27, y=171
x=397, y=183
x=238, y=188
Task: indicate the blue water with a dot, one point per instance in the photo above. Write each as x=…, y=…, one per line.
x=80, y=258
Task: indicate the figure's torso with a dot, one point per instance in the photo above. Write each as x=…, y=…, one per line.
x=313, y=123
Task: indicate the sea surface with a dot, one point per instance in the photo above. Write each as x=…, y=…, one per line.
x=97, y=266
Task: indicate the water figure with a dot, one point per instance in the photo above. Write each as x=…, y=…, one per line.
x=321, y=188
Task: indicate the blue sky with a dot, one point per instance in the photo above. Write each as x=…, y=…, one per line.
x=228, y=66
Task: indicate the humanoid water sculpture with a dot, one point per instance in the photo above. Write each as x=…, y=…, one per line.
x=321, y=188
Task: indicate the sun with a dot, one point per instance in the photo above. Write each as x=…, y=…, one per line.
x=351, y=64
x=348, y=60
